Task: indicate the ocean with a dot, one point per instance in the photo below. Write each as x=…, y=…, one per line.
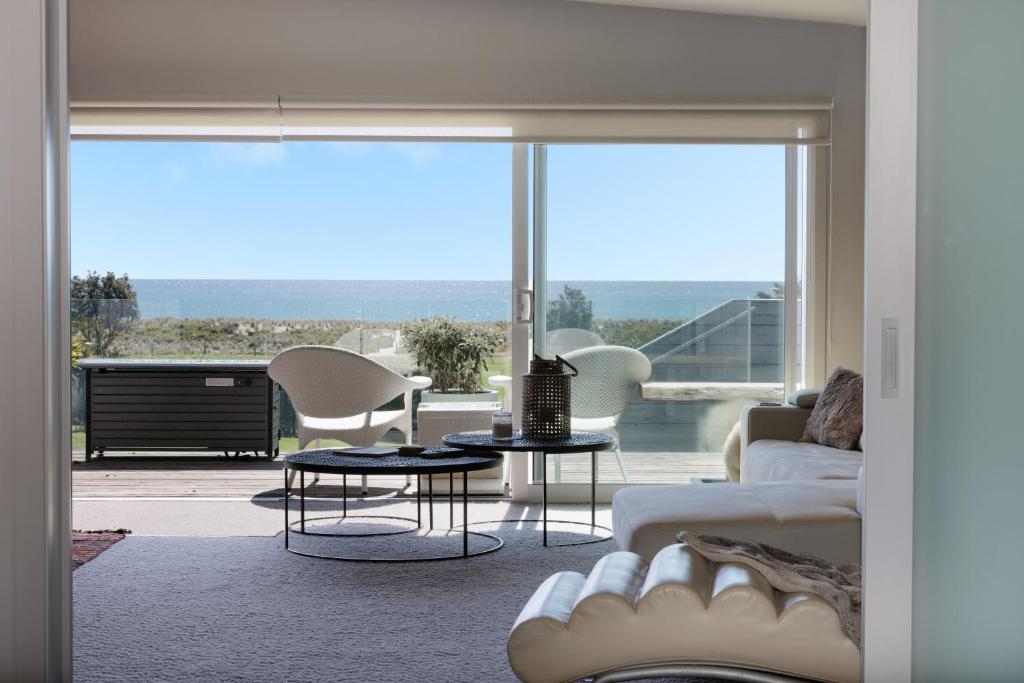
x=398, y=300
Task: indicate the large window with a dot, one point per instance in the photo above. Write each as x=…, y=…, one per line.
x=690, y=256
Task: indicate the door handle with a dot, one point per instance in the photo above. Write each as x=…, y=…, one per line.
x=524, y=306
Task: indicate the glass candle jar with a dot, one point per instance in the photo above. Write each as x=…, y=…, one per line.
x=501, y=426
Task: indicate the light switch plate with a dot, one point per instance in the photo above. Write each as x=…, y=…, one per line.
x=890, y=358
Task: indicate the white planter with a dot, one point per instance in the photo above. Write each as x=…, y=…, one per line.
x=488, y=396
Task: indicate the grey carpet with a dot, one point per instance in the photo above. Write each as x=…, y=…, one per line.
x=159, y=608
x=243, y=609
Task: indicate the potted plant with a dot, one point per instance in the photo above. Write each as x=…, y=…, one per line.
x=454, y=355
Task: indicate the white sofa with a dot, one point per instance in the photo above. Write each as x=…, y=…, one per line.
x=817, y=518
x=771, y=450
x=797, y=496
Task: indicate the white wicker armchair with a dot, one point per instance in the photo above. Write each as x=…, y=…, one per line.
x=336, y=394
x=608, y=380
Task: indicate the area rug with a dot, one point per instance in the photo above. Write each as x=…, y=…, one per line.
x=243, y=609
x=87, y=545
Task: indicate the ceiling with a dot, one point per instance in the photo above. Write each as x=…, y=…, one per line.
x=852, y=12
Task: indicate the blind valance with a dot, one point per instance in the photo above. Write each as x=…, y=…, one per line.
x=168, y=122
x=798, y=123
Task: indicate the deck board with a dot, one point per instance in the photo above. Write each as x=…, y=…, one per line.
x=157, y=475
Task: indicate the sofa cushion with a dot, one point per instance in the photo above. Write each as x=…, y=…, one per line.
x=803, y=398
x=773, y=460
x=838, y=415
x=812, y=517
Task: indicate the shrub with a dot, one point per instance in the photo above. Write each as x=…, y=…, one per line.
x=451, y=353
x=102, y=307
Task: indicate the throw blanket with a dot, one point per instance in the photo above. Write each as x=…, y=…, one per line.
x=791, y=573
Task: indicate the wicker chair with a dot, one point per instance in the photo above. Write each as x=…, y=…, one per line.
x=568, y=339
x=336, y=394
x=608, y=380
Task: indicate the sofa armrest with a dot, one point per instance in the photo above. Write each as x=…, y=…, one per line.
x=784, y=423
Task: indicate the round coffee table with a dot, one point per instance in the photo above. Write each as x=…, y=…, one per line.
x=577, y=442
x=342, y=461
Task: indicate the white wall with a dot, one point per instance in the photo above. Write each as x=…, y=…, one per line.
x=35, y=563
x=890, y=256
x=489, y=50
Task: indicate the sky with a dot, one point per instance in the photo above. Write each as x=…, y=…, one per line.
x=422, y=211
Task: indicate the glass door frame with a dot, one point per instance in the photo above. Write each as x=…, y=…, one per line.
x=806, y=218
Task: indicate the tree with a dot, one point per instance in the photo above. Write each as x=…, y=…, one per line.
x=778, y=291
x=102, y=307
x=573, y=309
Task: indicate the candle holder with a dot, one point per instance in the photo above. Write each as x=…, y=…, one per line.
x=547, y=404
x=501, y=426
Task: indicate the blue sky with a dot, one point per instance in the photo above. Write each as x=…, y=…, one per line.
x=422, y=211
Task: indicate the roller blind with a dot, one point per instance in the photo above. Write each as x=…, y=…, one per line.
x=800, y=123
x=168, y=122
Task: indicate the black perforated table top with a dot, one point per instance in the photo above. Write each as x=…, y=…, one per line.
x=337, y=461
x=578, y=442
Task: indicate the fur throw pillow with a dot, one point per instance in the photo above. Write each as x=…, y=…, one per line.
x=838, y=416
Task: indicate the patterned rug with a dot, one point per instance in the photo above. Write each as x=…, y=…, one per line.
x=87, y=545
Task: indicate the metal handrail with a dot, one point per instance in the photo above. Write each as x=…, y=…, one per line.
x=688, y=322
x=704, y=335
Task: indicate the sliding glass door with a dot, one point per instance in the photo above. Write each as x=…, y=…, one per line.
x=689, y=257
x=684, y=256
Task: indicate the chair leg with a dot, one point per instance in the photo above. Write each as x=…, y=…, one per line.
x=622, y=464
x=558, y=468
x=365, y=488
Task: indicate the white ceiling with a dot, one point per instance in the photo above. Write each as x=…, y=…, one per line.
x=853, y=12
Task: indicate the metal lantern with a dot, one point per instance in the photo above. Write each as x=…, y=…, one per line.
x=547, y=410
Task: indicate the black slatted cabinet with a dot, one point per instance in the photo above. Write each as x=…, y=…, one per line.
x=181, y=406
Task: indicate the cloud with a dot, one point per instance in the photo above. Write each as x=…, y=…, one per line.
x=248, y=153
x=419, y=153
x=173, y=174
x=352, y=150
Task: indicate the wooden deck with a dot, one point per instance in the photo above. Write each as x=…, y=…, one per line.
x=159, y=475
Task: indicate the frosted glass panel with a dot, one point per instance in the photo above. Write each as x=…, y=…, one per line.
x=969, y=454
